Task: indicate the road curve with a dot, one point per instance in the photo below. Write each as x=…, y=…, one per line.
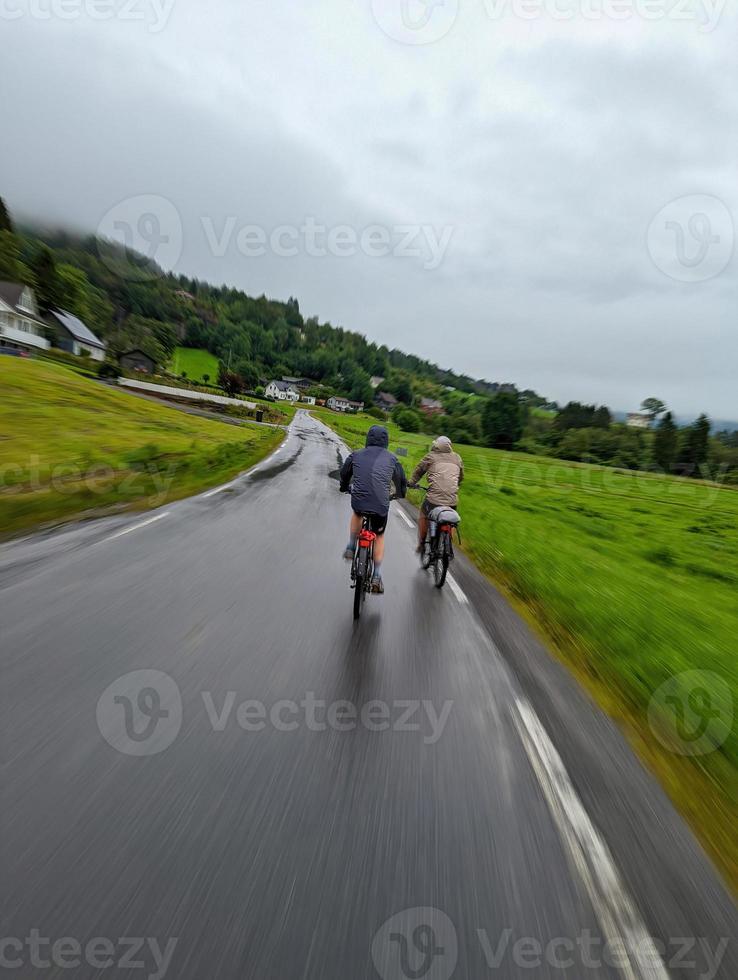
x=280, y=782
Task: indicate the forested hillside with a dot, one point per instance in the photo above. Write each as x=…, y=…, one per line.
x=131, y=303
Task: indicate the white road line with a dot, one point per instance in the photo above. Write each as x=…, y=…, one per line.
x=225, y=486
x=232, y=483
x=404, y=516
x=457, y=590
x=589, y=855
x=136, y=527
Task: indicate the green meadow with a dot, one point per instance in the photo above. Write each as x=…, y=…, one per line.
x=632, y=578
x=71, y=447
x=196, y=363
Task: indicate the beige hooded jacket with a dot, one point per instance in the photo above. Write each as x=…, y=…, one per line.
x=445, y=471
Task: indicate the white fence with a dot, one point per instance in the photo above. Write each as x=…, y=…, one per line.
x=195, y=396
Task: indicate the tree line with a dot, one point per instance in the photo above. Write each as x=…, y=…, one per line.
x=131, y=303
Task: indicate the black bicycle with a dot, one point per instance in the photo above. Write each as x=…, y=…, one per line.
x=438, y=547
x=362, y=566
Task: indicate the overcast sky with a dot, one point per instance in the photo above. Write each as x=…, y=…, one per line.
x=524, y=161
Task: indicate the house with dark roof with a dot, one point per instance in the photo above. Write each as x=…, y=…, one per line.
x=385, y=400
x=302, y=384
x=21, y=326
x=137, y=360
x=73, y=336
x=282, y=391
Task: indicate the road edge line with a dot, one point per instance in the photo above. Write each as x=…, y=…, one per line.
x=589, y=855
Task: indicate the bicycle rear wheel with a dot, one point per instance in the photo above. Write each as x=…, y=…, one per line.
x=440, y=565
x=360, y=571
x=358, y=595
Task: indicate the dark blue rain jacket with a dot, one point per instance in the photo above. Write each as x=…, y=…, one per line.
x=369, y=473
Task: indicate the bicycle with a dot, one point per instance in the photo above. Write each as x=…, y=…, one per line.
x=438, y=547
x=362, y=566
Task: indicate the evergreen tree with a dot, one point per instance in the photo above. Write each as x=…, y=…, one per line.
x=694, y=447
x=502, y=420
x=5, y=221
x=49, y=289
x=665, y=443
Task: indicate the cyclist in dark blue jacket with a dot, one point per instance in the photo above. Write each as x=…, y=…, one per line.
x=368, y=473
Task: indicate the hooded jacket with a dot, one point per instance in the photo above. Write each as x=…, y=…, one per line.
x=369, y=473
x=445, y=471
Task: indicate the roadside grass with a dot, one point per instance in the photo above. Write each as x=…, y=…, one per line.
x=71, y=447
x=197, y=362
x=631, y=577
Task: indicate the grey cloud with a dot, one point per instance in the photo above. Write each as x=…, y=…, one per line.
x=548, y=158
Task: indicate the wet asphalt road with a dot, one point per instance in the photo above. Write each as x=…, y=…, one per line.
x=282, y=781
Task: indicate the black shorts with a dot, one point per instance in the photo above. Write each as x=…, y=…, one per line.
x=427, y=507
x=377, y=523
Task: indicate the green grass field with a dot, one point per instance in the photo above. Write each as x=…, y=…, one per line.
x=196, y=362
x=70, y=446
x=632, y=577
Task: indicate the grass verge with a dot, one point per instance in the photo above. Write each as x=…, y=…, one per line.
x=71, y=447
x=632, y=579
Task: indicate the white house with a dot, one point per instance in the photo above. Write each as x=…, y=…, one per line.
x=74, y=337
x=308, y=399
x=281, y=391
x=338, y=404
x=638, y=420
x=21, y=325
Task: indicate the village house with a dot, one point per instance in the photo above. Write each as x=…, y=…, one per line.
x=338, y=404
x=638, y=420
x=137, y=360
x=281, y=391
x=21, y=326
x=73, y=336
x=385, y=401
x=429, y=406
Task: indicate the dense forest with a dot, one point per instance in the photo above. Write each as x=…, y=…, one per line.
x=131, y=303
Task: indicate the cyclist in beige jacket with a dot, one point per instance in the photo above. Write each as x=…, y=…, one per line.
x=445, y=472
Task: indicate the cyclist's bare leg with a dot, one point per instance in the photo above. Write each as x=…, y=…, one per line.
x=354, y=528
x=378, y=548
x=422, y=529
